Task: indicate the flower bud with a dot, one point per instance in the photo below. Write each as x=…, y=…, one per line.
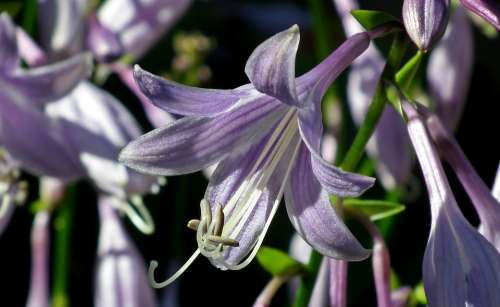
x=425, y=21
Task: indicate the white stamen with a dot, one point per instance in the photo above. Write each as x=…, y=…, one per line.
x=154, y=264
x=137, y=213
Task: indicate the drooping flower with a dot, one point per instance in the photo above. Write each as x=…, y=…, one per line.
x=425, y=21
x=461, y=268
x=487, y=207
x=450, y=68
x=265, y=136
x=389, y=145
x=121, y=277
x=489, y=10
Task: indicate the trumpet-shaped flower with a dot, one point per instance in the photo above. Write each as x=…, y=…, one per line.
x=485, y=203
x=461, y=268
x=265, y=137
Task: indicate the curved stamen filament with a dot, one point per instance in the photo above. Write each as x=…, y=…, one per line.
x=154, y=264
x=138, y=214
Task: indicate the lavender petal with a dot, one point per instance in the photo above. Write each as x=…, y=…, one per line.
x=9, y=57
x=489, y=10
x=193, y=143
x=313, y=217
x=183, y=100
x=271, y=66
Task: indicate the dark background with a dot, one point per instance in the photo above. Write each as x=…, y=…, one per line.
x=238, y=27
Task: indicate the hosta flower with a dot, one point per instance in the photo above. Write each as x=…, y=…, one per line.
x=425, y=21
x=121, y=278
x=389, y=145
x=450, y=68
x=265, y=137
x=489, y=10
x=461, y=268
x=487, y=206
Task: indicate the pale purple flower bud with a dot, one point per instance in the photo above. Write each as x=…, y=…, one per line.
x=40, y=249
x=489, y=10
x=120, y=276
x=461, y=268
x=338, y=282
x=51, y=190
x=425, y=21
x=450, y=69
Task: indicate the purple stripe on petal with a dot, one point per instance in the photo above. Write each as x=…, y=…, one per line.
x=9, y=57
x=191, y=144
x=271, y=66
x=332, y=178
x=487, y=9
x=184, y=100
x=313, y=217
x=323, y=75
x=46, y=83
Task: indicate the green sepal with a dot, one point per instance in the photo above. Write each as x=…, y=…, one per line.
x=374, y=209
x=371, y=19
x=417, y=296
x=405, y=76
x=279, y=263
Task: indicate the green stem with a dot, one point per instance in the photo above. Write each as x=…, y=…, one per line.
x=356, y=152
x=62, y=232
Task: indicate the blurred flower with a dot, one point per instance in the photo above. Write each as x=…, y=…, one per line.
x=118, y=27
x=487, y=207
x=450, y=68
x=461, y=268
x=489, y=10
x=425, y=21
x=40, y=248
x=121, y=278
x=266, y=136
x=389, y=145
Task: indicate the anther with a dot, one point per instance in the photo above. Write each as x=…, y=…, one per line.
x=218, y=220
x=193, y=224
x=206, y=213
x=223, y=241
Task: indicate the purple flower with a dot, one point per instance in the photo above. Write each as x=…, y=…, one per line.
x=450, y=68
x=487, y=207
x=121, y=278
x=425, y=21
x=489, y=10
x=389, y=145
x=24, y=129
x=461, y=268
x=265, y=137
x=139, y=24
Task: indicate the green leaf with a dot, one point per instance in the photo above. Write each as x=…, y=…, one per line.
x=371, y=19
x=279, y=263
x=417, y=296
x=11, y=7
x=375, y=209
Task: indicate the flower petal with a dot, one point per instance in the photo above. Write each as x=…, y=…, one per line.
x=184, y=100
x=140, y=24
x=271, y=67
x=450, y=69
x=9, y=56
x=104, y=44
x=51, y=82
x=487, y=9
x=193, y=143
x=35, y=141
x=313, y=217
x=333, y=179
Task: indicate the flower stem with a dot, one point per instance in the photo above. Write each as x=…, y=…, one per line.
x=356, y=152
x=62, y=232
